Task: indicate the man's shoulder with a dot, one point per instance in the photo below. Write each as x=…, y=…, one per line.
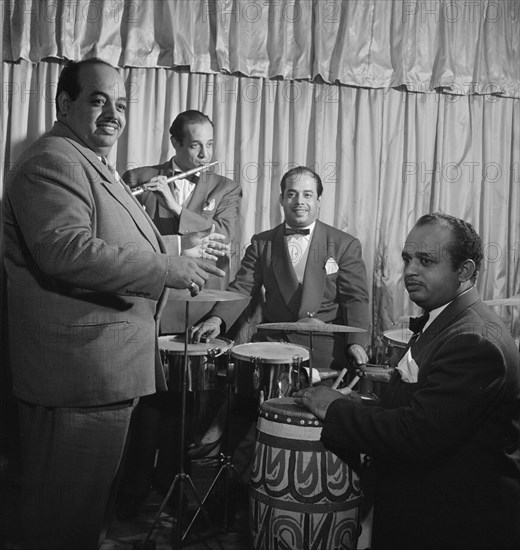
x=335, y=233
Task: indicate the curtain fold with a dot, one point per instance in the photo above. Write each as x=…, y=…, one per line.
x=465, y=47
x=385, y=157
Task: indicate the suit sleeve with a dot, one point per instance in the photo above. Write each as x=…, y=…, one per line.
x=55, y=211
x=353, y=291
x=224, y=218
x=248, y=281
x=462, y=388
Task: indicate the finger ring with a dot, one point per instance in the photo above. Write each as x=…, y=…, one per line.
x=192, y=286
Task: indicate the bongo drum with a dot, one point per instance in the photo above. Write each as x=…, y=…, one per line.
x=271, y=369
x=301, y=495
x=395, y=344
x=204, y=364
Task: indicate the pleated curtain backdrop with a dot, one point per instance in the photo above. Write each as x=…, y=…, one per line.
x=403, y=108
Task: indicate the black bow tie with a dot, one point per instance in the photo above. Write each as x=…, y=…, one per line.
x=417, y=323
x=291, y=231
x=194, y=178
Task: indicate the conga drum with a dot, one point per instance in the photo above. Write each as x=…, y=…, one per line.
x=301, y=495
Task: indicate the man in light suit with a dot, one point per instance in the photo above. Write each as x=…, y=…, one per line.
x=446, y=437
x=305, y=267
x=191, y=204
x=86, y=277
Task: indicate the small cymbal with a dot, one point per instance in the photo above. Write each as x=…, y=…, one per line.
x=311, y=325
x=512, y=301
x=205, y=295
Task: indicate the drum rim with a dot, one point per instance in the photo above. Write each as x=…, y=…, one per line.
x=191, y=351
x=387, y=338
x=269, y=361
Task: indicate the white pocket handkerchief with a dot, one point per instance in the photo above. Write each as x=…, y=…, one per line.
x=209, y=205
x=408, y=368
x=331, y=266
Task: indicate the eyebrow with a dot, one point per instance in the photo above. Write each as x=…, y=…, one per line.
x=107, y=96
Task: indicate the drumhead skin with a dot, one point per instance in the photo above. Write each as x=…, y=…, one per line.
x=400, y=336
x=274, y=353
x=174, y=345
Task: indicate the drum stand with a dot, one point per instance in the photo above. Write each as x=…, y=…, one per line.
x=181, y=478
x=226, y=467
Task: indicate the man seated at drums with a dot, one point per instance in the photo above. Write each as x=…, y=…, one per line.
x=306, y=269
x=445, y=438
x=202, y=202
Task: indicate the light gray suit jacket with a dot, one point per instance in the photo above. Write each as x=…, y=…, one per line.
x=85, y=278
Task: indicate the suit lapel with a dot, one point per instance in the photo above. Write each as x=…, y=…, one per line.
x=121, y=192
x=207, y=182
x=283, y=270
x=314, y=275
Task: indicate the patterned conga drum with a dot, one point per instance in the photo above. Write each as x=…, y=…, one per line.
x=301, y=495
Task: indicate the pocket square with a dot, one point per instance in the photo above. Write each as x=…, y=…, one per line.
x=209, y=205
x=408, y=368
x=331, y=266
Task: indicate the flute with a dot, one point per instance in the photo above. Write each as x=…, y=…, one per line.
x=140, y=188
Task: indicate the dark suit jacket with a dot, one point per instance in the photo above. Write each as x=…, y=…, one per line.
x=215, y=200
x=85, y=278
x=447, y=448
x=340, y=297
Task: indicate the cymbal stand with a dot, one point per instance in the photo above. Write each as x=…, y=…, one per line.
x=225, y=456
x=182, y=477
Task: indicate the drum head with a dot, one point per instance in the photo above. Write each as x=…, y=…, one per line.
x=398, y=337
x=273, y=353
x=174, y=345
x=286, y=411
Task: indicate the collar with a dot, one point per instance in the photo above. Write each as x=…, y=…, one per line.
x=434, y=313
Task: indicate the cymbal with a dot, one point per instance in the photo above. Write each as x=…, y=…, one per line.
x=205, y=295
x=512, y=301
x=310, y=325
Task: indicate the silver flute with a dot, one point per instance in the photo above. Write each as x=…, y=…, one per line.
x=140, y=188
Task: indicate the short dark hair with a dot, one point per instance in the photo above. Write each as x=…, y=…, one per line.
x=185, y=118
x=466, y=244
x=300, y=171
x=69, y=78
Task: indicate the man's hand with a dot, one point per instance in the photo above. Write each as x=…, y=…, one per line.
x=204, y=244
x=159, y=185
x=317, y=399
x=206, y=331
x=358, y=354
x=184, y=272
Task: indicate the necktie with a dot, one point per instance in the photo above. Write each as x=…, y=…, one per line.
x=417, y=323
x=291, y=231
x=194, y=178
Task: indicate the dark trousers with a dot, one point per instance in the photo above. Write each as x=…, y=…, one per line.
x=70, y=457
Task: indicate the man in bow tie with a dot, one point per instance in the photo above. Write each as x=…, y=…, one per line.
x=445, y=438
x=305, y=268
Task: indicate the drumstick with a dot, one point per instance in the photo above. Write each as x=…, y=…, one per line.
x=348, y=389
x=339, y=379
x=141, y=188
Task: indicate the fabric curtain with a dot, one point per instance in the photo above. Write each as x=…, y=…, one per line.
x=385, y=156
x=386, y=135
x=465, y=46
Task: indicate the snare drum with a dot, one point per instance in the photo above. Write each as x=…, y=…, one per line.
x=301, y=494
x=395, y=344
x=276, y=369
x=205, y=361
